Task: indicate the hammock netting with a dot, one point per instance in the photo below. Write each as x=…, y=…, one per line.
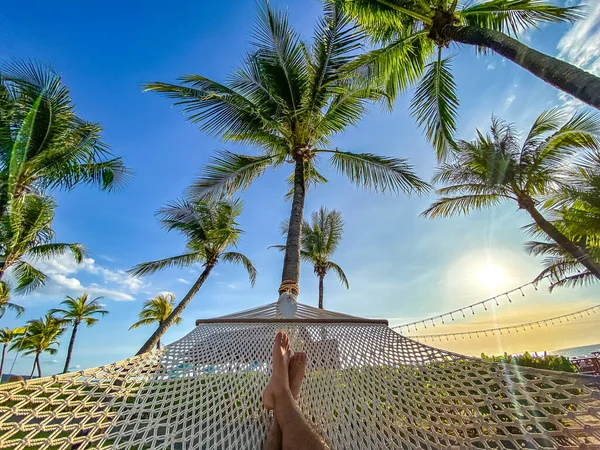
x=366, y=387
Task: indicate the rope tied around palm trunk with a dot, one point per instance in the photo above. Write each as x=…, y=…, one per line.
x=290, y=287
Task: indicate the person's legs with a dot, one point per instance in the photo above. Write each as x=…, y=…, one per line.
x=296, y=433
x=296, y=369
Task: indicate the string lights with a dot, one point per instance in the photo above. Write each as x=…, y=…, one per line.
x=523, y=327
x=466, y=310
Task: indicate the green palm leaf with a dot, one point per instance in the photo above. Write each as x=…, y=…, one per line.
x=340, y=273
x=238, y=258
x=460, y=205
x=229, y=172
x=56, y=249
x=513, y=16
x=151, y=267
x=379, y=173
x=28, y=277
x=435, y=106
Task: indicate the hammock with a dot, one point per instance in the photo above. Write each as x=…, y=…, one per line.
x=366, y=387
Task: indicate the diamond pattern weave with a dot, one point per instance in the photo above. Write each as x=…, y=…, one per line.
x=366, y=387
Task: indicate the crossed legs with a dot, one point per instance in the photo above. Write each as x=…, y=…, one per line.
x=289, y=430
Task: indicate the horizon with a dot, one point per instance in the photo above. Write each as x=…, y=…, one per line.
x=400, y=266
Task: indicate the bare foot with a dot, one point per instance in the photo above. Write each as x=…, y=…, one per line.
x=279, y=382
x=297, y=368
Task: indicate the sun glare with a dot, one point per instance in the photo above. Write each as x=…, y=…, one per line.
x=491, y=276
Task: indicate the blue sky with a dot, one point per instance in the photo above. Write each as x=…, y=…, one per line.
x=400, y=266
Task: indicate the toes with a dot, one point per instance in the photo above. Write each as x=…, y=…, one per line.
x=301, y=358
x=279, y=338
x=285, y=341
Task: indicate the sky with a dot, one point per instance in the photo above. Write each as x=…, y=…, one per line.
x=400, y=266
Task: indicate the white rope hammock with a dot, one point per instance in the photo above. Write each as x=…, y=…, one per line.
x=366, y=387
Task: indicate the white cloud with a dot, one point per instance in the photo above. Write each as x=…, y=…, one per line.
x=116, y=283
x=183, y=281
x=491, y=67
x=509, y=100
x=580, y=46
x=61, y=285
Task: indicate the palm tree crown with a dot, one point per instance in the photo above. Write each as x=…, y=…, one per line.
x=43, y=143
x=75, y=311
x=577, y=209
x=5, y=301
x=498, y=167
x=288, y=100
x=7, y=336
x=210, y=230
x=412, y=32
x=26, y=235
x=157, y=309
x=320, y=239
x=41, y=336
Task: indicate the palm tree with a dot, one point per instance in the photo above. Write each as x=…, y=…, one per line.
x=8, y=335
x=577, y=207
x=288, y=100
x=412, y=32
x=77, y=310
x=5, y=301
x=43, y=143
x=41, y=336
x=210, y=229
x=157, y=309
x=319, y=241
x=26, y=235
x=496, y=167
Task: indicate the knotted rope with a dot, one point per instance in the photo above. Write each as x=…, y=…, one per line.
x=290, y=287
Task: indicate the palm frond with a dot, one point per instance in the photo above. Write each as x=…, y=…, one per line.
x=238, y=258
x=513, y=16
x=460, y=205
x=141, y=322
x=22, y=147
x=151, y=267
x=278, y=44
x=53, y=250
x=312, y=178
x=229, y=172
x=28, y=277
x=379, y=173
x=335, y=41
x=576, y=280
x=398, y=64
x=435, y=106
x=340, y=273
x=220, y=110
x=346, y=108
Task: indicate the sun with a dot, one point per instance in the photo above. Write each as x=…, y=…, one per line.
x=491, y=275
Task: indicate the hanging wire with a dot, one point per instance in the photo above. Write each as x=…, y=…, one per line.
x=523, y=326
x=468, y=308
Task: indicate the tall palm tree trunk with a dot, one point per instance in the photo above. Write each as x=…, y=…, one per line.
x=2, y=362
x=39, y=366
x=70, y=349
x=291, y=260
x=35, y=362
x=321, y=277
x=574, y=81
x=163, y=327
x=564, y=242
